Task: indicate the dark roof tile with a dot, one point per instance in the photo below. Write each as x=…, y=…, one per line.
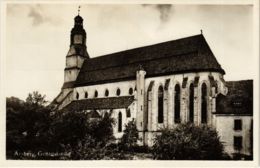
x=239, y=99
x=191, y=54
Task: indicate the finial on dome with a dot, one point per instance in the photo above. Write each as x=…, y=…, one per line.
x=78, y=10
x=201, y=31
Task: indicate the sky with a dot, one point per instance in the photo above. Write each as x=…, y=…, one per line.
x=38, y=37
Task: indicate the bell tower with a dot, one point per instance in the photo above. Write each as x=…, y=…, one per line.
x=77, y=52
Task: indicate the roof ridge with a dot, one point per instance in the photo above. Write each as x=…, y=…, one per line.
x=120, y=65
x=187, y=37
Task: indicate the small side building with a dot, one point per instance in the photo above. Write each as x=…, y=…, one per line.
x=234, y=119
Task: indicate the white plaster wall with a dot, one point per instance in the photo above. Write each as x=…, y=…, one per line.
x=71, y=61
x=74, y=61
x=225, y=128
x=71, y=75
x=101, y=88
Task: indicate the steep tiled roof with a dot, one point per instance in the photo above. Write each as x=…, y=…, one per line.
x=191, y=54
x=239, y=99
x=100, y=103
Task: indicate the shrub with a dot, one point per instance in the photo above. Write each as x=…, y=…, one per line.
x=188, y=142
x=130, y=136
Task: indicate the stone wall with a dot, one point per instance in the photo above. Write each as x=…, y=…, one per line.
x=150, y=105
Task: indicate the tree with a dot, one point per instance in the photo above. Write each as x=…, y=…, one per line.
x=36, y=98
x=27, y=124
x=102, y=129
x=130, y=136
x=188, y=142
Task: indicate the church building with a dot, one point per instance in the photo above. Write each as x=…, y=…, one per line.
x=157, y=86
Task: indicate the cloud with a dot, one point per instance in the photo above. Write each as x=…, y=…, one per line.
x=36, y=15
x=39, y=16
x=165, y=11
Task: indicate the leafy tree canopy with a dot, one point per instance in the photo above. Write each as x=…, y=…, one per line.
x=188, y=142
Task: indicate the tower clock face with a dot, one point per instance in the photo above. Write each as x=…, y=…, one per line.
x=78, y=39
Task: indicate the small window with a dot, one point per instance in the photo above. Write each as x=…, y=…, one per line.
x=118, y=91
x=96, y=94
x=128, y=113
x=106, y=93
x=131, y=91
x=77, y=95
x=238, y=142
x=237, y=125
x=86, y=94
x=216, y=89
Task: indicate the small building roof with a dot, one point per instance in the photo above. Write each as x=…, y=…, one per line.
x=100, y=103
x=239, y=99
x=191, y=54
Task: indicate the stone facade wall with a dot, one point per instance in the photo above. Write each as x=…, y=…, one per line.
x=150, y=104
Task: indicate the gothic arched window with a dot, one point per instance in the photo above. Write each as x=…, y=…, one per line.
x=86, y=94
x=106, y=93
x=191, y=103
x=177, y=103
x=119, y=122
x=160, y=104
x=204, y=103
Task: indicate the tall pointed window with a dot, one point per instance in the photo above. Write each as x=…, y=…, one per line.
x=191, y=103
x=160, y=104
x=119, y=122
x=204, y=103
x=177, y=104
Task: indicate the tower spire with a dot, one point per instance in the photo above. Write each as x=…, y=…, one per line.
x=78, y=10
